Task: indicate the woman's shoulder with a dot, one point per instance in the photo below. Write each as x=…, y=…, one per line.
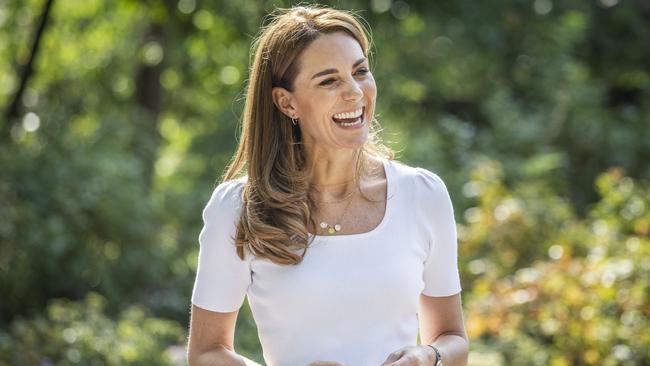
x=225, y=197
x=417, y=177
x=427, y=190
x=229, y=188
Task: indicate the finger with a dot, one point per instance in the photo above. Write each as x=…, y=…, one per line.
x=393, y=357
x=401, y=362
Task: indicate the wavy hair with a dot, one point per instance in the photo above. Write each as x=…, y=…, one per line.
x=276, y=216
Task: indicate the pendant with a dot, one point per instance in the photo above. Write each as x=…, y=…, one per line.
x=330, y=229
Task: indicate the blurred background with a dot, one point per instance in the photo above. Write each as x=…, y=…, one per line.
x=118, y=118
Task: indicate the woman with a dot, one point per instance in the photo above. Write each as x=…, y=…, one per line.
x=340, y=250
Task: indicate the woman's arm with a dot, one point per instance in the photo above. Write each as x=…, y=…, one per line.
x=211, y=339
x=441, y=325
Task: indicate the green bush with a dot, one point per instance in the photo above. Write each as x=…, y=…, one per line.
x=71, y=333
x=585, y=302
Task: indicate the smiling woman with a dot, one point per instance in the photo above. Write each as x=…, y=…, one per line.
x=344, y=254
x=335, y=105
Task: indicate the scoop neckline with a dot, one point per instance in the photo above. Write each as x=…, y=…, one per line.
x=382, y=223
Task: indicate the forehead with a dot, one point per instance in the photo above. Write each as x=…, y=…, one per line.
x=333, y=50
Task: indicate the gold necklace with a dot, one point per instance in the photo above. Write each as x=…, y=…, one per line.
x=333, y=184
x=337, y=201
x=333, y=229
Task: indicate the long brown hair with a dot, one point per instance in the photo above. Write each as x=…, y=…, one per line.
x=276, y=213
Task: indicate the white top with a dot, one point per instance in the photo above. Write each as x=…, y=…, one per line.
x=354, y=298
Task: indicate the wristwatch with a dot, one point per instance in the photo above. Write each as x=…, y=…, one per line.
x=438, y=361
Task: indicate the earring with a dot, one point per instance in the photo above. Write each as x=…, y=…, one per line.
x=294, y=121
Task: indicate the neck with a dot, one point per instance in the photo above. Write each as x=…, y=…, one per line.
x=333, y=173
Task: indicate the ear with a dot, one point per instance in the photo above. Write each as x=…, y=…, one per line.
x=283, y=99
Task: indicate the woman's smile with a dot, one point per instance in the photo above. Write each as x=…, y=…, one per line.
x=350, y=120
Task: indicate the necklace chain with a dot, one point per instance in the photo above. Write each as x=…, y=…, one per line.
x=333, y=184
x=341, y=200
x=336, y=227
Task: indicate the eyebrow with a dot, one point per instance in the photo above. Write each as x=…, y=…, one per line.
x=334, y=71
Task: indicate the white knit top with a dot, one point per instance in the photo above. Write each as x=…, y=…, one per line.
x=354, y=298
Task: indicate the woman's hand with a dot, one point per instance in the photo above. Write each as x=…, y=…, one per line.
x=326, y=363
x=411, y=356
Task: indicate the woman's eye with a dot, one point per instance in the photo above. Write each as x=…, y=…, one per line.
x=332, y=81
x=327, y=82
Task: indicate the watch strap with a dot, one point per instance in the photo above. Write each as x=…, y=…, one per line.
x=438, y=361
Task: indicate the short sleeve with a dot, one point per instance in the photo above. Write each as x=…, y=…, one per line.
x=222, y=278
x=440, y=275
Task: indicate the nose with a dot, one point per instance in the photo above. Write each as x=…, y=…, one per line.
x=353, y=91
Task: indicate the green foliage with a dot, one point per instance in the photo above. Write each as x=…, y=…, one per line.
x=515, y=79
x=78, y=210
x=75, y=221
x=72, y=332
x=586, y=302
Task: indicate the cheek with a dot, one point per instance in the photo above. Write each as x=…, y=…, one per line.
x=370, y=88
x=308, y=107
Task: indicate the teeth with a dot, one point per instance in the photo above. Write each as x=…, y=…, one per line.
x=346, y=124
x=349, y=115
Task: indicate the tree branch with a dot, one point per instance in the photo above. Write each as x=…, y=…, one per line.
x=27, y=71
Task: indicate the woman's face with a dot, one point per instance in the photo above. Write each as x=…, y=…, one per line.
x=334, y=93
